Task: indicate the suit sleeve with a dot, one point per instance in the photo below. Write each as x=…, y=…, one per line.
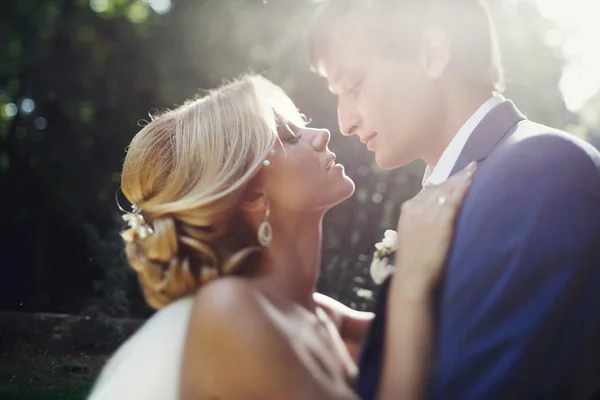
x=519, y=306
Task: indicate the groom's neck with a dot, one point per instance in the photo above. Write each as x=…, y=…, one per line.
x=460, y=105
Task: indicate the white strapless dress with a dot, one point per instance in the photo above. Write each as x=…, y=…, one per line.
x=147, y=366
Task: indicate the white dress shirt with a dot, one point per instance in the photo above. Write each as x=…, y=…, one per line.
x=442, y=169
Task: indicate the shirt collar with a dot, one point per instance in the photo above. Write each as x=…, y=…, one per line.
x=441, y=171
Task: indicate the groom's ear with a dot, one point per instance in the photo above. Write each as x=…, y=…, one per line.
x=435, y=52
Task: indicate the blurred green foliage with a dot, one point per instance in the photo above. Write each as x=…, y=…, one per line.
x=10, y=387
x=76, y=76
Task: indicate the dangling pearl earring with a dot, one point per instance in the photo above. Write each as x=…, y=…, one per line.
x=265, y=231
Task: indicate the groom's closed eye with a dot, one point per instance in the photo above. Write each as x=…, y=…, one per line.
x=354, y=89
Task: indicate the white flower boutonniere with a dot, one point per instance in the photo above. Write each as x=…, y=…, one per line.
x=383, y=258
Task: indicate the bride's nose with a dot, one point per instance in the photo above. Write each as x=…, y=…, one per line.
x=321, y=139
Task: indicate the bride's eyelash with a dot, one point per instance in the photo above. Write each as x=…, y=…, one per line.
x=293, y=138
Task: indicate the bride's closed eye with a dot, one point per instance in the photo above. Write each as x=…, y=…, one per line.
x=289, y=133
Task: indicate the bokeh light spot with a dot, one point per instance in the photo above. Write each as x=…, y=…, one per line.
x=364, y=293
x=377, y=198
x=99, y=6
x=40, y=123
x=160, y=6
x=86, y=113
x=27, y=106
x=138, y=13
x=364, y=170
x=10, y=110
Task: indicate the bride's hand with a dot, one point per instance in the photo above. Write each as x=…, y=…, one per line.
x=425, y=232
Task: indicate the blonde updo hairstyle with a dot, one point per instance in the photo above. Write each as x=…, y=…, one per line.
x=187, y=171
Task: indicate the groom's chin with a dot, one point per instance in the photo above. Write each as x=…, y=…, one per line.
x=387, y=162
x=391, y=158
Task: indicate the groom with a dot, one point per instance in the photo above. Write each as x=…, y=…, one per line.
x=518, y=310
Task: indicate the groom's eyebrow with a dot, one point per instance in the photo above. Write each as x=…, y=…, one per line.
x=333, y=81
x=336, y=78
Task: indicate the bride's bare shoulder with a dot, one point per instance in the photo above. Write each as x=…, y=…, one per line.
x=225, y=296
x=229, y=331
x=223, y=309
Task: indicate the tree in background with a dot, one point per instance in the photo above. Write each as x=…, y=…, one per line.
x=76, y=77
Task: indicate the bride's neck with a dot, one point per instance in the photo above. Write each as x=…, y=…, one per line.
x=293, y=259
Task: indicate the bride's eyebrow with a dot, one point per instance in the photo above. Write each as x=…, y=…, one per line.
x=282, y=122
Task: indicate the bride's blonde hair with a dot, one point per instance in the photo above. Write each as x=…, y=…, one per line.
x=187, y=171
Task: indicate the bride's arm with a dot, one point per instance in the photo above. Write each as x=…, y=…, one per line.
x=352, y=325
x=408, y=339
x=425, y=232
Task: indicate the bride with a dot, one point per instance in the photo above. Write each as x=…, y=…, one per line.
x=225, y=232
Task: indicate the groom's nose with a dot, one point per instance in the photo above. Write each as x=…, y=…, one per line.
x=348, y=118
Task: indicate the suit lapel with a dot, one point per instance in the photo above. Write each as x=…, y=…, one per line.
x=492, y=129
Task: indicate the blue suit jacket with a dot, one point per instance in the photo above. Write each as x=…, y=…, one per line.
x=518, y=309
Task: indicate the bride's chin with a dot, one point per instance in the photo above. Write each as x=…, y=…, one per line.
x=348, y=191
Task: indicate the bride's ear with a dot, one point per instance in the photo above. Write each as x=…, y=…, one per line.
x=255, y=200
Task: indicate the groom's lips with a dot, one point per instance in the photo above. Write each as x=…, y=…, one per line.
x=367, y=140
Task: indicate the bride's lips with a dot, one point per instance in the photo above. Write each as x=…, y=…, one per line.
x=331, y=165
x=330, y=161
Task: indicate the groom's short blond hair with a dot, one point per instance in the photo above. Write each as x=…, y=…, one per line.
x=394, y=28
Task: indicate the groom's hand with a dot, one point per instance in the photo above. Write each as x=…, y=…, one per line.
x=351, y=324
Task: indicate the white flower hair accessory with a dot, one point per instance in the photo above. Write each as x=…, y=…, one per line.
x=383, y=264
x=137, y=224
